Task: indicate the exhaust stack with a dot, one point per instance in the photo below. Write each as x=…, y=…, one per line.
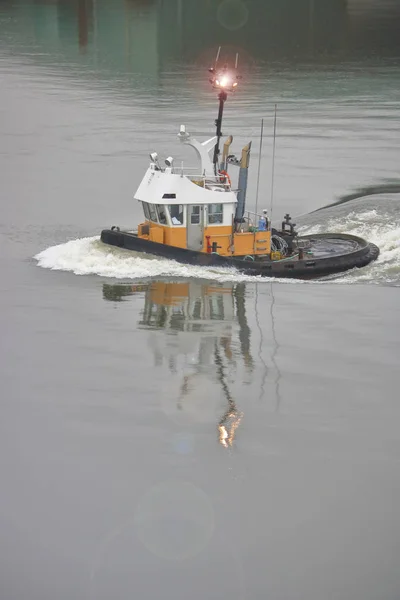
x=243, y=177
x=224, y=164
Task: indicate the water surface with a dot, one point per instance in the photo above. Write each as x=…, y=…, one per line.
x=176, y=431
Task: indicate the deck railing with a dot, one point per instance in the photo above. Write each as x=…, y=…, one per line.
x=203, y=180
x=254, y=220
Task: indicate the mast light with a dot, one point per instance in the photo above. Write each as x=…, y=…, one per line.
x=224, y=78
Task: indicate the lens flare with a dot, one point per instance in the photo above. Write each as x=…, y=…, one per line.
x=233, y=14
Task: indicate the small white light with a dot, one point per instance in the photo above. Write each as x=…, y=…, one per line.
x=169, y=161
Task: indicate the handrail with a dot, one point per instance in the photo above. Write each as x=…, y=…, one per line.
x=209, y=180
x=249, y=212
x=214, y=235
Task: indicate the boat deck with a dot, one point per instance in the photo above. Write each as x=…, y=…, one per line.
x=331, y=246
x=320, y=247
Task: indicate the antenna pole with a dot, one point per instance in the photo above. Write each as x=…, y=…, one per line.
x=273, y=172
x=259, y=164
x=218, y=53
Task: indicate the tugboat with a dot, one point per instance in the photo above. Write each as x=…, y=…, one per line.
x=199, y=217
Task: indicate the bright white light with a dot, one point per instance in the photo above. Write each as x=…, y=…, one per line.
x=225, y=81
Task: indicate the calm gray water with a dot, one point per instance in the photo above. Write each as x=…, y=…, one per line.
x=174, y=432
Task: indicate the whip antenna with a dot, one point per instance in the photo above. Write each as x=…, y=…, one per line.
x=273, y=171
x=217, y=57
x=259, y=164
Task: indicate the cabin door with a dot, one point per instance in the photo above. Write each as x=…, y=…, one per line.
x=195, y=226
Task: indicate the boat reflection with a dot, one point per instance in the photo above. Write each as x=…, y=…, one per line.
x=214, y=338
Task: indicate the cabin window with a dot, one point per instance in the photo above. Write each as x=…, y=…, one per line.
x=162, y=218
x=153, y=214
x=169, y=196
x=176, y=212
x=146, y=210
x=195, y=215
x=215, y=214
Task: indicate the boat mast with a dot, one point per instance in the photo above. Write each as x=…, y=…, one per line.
x=224, y=80
x=218, y=122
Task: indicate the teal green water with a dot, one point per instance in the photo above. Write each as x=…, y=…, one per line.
x=170, y=431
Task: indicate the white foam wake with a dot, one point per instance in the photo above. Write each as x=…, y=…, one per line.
x=89, y=256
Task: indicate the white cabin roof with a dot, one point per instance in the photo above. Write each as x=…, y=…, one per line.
x=166, y=187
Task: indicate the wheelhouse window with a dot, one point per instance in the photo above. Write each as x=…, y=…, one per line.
x=152, y=211
x=195, y=215
x=215, y=214
x=176, y=213
x=146, y=210
x=162, y=217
